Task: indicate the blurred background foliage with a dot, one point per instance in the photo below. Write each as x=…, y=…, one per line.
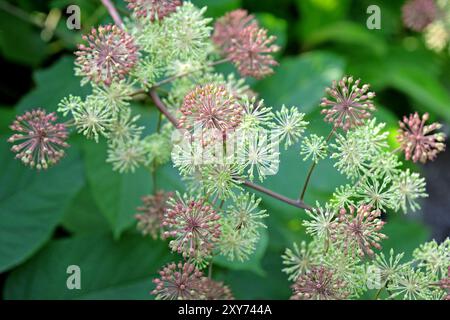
x=81, y=212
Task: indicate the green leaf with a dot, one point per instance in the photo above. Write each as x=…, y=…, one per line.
x=20, y=41
x=109, y=269
x=6, y=118
x=404, y=235
x=84, y=216
x=117, y=195
x=52, y=85
x=33, y=203
x=253, y=263
x=301, y=80
x=250, y=285
x=317, y=14
x=348, y=33
x=423, y=88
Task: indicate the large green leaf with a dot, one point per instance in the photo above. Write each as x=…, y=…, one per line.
x=423, y=88
x=404, y=235
x=20, y=40
x=33, y=203
x=117, y=195
x=84, y=216
x=318, y=14
x=348, y=33
x=6, y=118
x=52, y=85
x=109, y=269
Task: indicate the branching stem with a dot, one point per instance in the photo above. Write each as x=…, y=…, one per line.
x=313, y=166
x=163, y=109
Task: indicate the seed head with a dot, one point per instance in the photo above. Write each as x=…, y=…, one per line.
x=153, y=9
x=361, y=228
x=417, y=140
x=418, y=14
x=151, y=213
x=41, y=140
x=348, y=104
x=210, y=107
x=213, y=290
x=228, y=28
x=194, y=225
x=178, y=282
x=320, y=283
x=110, y=54
x=251, y=52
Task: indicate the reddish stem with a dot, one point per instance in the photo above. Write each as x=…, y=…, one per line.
x=113, y=12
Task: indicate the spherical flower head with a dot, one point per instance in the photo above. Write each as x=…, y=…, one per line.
x=178, y=282
x=151, y=213
x=314, y=147
x=251, y=52
x=361, y=229
x=417, y=14
x=39, y=141
x=213, y=290
x=348, y=104
x=298, y=260
x=126, y=156
x=210, y=107
x=437, y=35
x=229, y=27
x=110, y=54
x=320, y=283
x=153, y=9
x=417, y=140
x=194, y=225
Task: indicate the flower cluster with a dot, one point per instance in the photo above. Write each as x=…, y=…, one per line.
x=241, y=227
x=360, y=229
x=240, y=38
x=194, y=225
x=430, y=17
x=210, y=107
x=418, y=141
x=39, y=141
x=110, y=53
x=153, y=9
x=319, y=283
x=151, y=213
x=418, y=14
x=222, y=138
x=183, y=281
x=348, y=105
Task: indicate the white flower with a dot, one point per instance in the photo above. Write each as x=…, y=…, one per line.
x=289, y=125
x=434, y=257
x=409, y=188
x=123, y=128
x=91, y=119
x=69, y=104
x=255, y=115
x=260, y=155
x=376, y=194
x=115, y=97
x=314, y=147
x=126, y=156
x=322, y=223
